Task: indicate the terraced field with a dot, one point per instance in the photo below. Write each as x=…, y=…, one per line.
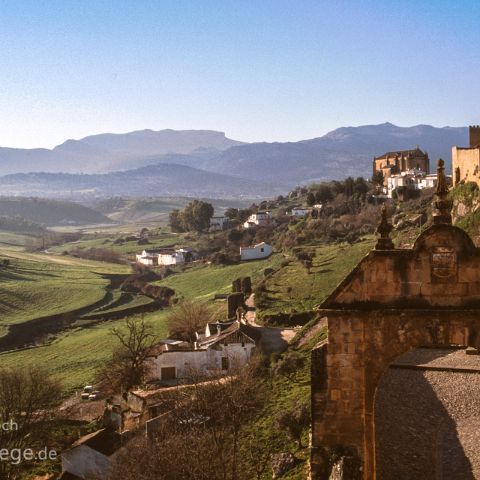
x=35, y=285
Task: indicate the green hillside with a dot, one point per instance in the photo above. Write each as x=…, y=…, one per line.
x=35, y=285
x=50, y=212
x=148, y=210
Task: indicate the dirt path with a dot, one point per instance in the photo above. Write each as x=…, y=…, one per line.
x=273, y=339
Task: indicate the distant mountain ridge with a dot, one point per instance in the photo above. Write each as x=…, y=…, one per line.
x=207, y=163
x=109, y=151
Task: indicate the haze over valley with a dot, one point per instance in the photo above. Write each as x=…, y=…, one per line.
x=207, y=163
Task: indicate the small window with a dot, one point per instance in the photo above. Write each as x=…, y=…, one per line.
x=262, y=249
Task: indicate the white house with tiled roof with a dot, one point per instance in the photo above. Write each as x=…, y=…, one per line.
x=223, y=346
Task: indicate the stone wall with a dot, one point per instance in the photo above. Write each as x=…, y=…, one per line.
x=465, y=165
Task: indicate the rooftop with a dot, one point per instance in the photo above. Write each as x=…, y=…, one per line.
x=415, y=151
x=105, y=441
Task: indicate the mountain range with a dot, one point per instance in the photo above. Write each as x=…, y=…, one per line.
x=206, y=163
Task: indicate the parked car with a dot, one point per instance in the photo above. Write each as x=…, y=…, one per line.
x=87, y=390
x=95, y=395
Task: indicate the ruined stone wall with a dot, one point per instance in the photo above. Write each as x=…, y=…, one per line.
x=466, y=165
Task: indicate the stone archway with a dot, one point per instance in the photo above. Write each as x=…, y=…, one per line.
x=393, y=301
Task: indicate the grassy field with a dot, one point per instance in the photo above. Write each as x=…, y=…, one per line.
x=294, y=289
x=38, y=284
x=202, y=282
x=10, y=239
x=35, y=285
x=75, y=356
x=128, y=249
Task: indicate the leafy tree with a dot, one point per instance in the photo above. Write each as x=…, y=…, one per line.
x=377, y=178
x=289, y=364
x=176, y=221
x=310, y=199
x=194, y=217
x=197, y=215
x=360, y=188
x=349, y=186
x=232, y=213
x=324, y=193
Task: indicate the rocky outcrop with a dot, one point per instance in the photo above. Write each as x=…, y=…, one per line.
x=282, y=463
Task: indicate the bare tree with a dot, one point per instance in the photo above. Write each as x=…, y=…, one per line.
x=189, y=317
x=27, y=401
x=200, y=438
x=128, y=365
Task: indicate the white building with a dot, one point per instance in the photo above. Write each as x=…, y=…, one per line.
x=429, y=181
x=164, y=256
x=300, y=212
x=172, y=257
x=261, y=250
x=410, y=180
x=218, y=350
x=218, y=223
x=148, y=257
x=91, y=455
x=260, y=219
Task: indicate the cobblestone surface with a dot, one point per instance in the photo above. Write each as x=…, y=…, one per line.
x=428, y=422
x=435, y=357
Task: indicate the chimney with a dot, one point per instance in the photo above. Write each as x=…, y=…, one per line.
x=474, y=131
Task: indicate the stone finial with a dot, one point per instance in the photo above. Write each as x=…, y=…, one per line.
x=442, y=205
x=384, y=228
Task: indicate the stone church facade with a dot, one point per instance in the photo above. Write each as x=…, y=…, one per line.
x=394, y=163
x=393, y=301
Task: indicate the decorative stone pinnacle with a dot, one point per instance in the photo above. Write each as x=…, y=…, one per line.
x=384, y=228
x=442, y=205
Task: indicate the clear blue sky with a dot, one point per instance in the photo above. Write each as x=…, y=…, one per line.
x=272, y=70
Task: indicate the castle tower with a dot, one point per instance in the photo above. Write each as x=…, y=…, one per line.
x=474, y=133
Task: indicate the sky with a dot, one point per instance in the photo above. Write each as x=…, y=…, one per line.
x=259, y=70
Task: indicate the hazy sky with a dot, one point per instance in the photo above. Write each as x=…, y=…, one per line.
x=256, y=69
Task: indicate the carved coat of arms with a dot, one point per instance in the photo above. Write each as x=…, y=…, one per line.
x=443, y=262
